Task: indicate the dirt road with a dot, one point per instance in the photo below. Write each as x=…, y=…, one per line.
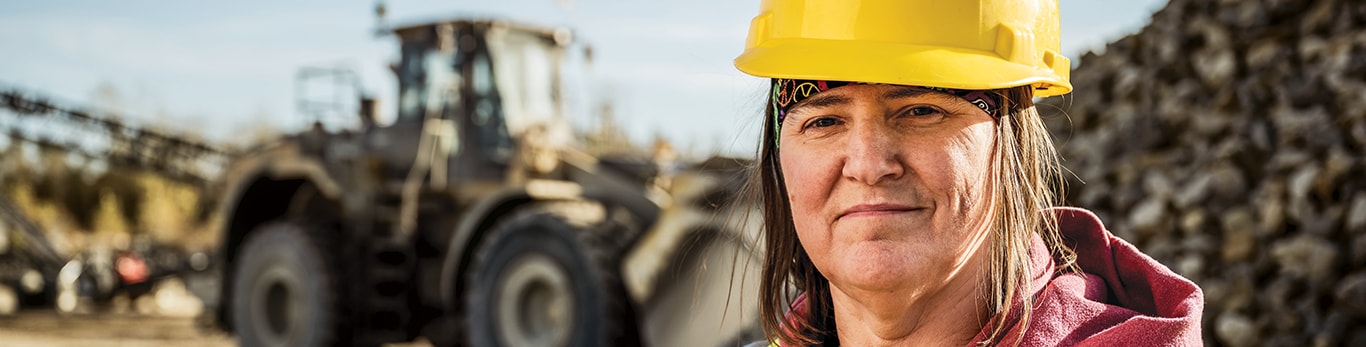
x=163, y=318
x=48, y=328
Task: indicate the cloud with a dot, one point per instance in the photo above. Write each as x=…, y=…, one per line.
x=220, y=69
x=671, y=76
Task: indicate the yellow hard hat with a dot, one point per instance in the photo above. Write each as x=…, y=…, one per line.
x=960, y=44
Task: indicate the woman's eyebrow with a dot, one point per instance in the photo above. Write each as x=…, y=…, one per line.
x=821, y=100
x=903, y=92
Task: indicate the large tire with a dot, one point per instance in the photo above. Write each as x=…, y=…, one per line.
x=539, y=280
x=284, y=291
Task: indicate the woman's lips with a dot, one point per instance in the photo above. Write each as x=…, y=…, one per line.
x=869, y=210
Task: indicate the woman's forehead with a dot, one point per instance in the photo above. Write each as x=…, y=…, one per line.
x=846, y=95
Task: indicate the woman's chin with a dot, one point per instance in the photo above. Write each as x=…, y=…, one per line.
x=881, y=266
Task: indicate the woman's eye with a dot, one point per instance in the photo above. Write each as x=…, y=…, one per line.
x=921, y=111
x=822, y=123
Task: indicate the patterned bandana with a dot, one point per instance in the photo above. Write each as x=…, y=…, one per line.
x=788, y=92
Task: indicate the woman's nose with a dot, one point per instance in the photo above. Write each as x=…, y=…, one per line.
x=871, y=155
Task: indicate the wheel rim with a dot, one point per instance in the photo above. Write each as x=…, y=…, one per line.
x=277, y=296
x=276, y=304
x=535, y=303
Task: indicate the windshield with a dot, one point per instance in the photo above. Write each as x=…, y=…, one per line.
x=425, y=74
x=528, y=76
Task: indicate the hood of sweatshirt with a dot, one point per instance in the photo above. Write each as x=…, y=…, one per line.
x=1121, y=297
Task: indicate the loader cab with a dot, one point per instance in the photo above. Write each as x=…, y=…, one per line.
x=478, y=84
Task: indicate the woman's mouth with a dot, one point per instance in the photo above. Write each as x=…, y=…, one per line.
x=871, y=210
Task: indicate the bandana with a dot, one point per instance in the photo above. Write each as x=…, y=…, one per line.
x=788, y=92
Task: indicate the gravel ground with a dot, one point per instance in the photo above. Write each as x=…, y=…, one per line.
x=48, y=328
x=165, y=317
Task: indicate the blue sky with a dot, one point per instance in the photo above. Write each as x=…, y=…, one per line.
x=223, y=69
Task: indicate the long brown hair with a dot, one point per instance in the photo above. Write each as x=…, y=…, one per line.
x=1027, y=178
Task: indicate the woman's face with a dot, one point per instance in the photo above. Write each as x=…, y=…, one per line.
x=888, y=185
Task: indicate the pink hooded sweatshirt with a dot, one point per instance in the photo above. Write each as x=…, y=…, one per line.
x=1122, y=298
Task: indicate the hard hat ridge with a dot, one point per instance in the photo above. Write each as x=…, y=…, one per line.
x=961, y=44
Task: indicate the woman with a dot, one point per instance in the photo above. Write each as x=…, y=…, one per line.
x=906, y=181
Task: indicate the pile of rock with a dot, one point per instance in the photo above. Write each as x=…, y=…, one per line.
x=1227, y=139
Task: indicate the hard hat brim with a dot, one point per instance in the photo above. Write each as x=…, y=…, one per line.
x=891, y=63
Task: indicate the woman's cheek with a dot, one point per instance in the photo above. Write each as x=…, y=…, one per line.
x=806, y=179
x=798, y=179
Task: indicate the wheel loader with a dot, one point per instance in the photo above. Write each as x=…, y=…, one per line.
x=474, y=220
